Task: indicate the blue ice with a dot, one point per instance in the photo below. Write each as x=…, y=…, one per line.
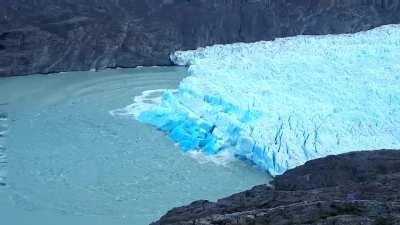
x=281, y=103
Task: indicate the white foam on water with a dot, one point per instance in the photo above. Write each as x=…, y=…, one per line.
x=141, y=103
x=103, y=168
x=223, y=158
x=152, y=98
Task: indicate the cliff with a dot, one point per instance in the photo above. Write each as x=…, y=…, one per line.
x=43, y=36
x=349, y=189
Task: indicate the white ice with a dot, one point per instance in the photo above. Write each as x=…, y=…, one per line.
x=281, y=103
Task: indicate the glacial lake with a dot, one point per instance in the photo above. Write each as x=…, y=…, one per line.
x=64, y=159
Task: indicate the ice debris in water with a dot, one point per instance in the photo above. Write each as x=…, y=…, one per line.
x=281, y=103
x=147, y=100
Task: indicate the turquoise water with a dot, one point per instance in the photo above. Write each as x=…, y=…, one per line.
x=64, y=159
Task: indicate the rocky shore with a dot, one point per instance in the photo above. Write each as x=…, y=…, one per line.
x=44, y=36
x=357, y=188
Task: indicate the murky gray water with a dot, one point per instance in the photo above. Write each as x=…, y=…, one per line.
x=68, y=161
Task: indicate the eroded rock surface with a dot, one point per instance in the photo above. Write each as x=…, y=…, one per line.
x=349, y=189
x=43, y=36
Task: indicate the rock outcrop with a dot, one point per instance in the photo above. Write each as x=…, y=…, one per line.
x=349, y=189
x=43, y=36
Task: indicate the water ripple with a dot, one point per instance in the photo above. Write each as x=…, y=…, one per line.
x=3, y=156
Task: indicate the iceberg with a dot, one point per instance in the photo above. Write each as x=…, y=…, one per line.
x=281, y=103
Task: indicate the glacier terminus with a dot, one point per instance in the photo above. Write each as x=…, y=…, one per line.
x=281, y=103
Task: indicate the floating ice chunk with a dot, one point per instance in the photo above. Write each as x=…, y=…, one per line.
x=280, y=103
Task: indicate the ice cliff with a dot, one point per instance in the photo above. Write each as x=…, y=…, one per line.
x=281, y=103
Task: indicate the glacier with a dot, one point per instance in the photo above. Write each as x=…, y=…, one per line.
x=280, y=103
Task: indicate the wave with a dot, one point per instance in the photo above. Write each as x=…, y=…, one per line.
x=3, y=156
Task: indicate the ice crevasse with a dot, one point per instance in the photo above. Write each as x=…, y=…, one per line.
x=281, y=103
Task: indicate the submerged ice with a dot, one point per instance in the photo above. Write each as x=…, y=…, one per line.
x=281, y=103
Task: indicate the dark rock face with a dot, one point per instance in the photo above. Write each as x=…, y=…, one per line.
x=42, y=36
x=353, y=167
x=355, y=188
